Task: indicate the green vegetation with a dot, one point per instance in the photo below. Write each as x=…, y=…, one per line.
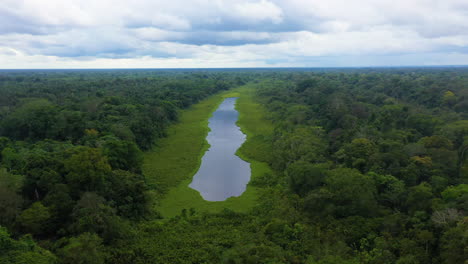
x=71, y=152
x=348, y=166
x=177, y=158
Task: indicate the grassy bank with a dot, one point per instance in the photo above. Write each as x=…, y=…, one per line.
x=171, y=166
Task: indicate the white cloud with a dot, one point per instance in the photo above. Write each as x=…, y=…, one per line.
x=258, y=11
x=157, y=34
x=231, y=32
x=49, y=12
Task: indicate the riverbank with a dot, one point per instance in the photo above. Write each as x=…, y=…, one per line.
x=169, y=168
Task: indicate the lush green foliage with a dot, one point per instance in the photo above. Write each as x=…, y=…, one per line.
x=349, y=166
x=375, y=158
x=178, y=158
x=22, y=251
x=71, y=152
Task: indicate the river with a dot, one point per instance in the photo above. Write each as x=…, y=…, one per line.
x=222, y=173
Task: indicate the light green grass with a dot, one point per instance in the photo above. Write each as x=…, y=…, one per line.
x=171, y=166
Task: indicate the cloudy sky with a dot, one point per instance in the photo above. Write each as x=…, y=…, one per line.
x=232, y=33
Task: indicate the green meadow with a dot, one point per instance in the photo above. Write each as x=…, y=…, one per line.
x=170, y=166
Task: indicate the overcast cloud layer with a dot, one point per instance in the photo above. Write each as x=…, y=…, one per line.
x=232, y=33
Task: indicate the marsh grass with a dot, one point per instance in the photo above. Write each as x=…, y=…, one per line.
x=169, y=168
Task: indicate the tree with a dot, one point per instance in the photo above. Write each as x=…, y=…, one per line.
x=424, y=124
x=128, y=192
x=419, y=169
x=456, y=196
x=302, y=144
x=87, y=248
x=419, y=198
x=436, y=142
x=33, y=119
x=10, y=206
x=354, y=193
x=449, y=98
x=446, y=216
x=4, y=141
x=34, y=220
x=346, y=192
x=454, y=244
x=92, y=214
x=357, y=153
x=87, y=170
x=298, y=114
x=392, y=116
x=304, y=176
x=456, y=131
x=143, y=129
x=23, y=251
x=426, y=238
x=390, y=189
x=60, y=204
x=11, y=159
x=124, y=155
x=69, y=125
x=10, y=201
x=123, y=132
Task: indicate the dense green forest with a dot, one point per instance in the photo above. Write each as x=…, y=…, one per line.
x=367, y=166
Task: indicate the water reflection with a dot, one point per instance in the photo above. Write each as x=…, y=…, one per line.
x=222, y=174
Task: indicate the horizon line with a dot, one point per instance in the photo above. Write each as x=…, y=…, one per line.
x=266, y=68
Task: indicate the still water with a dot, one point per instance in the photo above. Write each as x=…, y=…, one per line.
x=222, y=174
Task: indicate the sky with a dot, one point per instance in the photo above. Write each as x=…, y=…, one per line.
x=232, y=33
